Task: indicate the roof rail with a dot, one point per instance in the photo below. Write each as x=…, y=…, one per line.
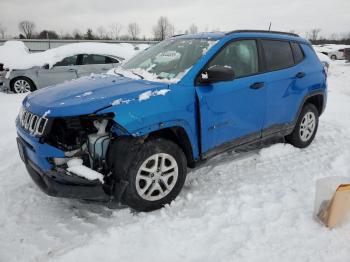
x=261, y=31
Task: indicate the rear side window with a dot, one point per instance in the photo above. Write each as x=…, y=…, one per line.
x=93, y=59
x=278, y=54
x=297, y=52
x=110, y=60
x=68, y=61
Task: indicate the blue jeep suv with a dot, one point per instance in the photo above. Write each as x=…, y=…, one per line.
x=129, y=136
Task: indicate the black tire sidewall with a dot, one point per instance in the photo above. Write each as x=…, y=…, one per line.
x=131, y=197
x=295, y=138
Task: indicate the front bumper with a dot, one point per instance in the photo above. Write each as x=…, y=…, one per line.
x=59, y=184
x=4, y=84
x=56, y=182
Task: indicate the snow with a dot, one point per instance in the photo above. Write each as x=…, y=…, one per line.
x=323, y=58
x=76, y=167
x=138, y=74
x=46, y=113
x=15, y=55
x=147, y=95
x=251, y=206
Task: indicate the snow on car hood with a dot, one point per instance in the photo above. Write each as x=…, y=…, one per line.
x=87, y=95
x=15, y=55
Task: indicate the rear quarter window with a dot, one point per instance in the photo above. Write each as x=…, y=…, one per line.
x=278, y=54
x=297, y=52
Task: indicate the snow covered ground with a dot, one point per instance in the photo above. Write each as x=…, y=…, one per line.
x=254, y=206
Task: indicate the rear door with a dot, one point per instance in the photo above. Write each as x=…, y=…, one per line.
x=285, y=83
x=60, y=72
x=233, y=112
x=91, y=63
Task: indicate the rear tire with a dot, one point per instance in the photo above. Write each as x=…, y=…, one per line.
x=155, y=172
x=22, y=85
x=306, y=127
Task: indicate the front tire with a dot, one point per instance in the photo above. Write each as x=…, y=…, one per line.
x=22, y=85
x=306, y=127
x=333, y=57
x=154, y=176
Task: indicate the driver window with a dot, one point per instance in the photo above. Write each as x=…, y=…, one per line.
x=241, y=56
x=68, y=61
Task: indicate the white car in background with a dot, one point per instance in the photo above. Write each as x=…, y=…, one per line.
x=333, y=51
x=22, y=71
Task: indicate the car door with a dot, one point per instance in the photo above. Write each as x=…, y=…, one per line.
x=285, y=85
x=232, y=112
x=60, y=72
x=92, y=63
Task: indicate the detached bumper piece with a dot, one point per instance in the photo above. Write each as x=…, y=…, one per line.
x=60, y=184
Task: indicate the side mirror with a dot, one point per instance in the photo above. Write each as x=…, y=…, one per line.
x=46, y=66
x=216, y=74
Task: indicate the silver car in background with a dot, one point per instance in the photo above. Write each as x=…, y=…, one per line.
x=24, y=71
x=25, y=80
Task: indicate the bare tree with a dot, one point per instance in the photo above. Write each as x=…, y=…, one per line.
x=314, y=33
x=2, y=31
x=163, y=28
x=27, y=28
x=101, y=32
x=133, y=30
x=116, y=29
x=193, y=29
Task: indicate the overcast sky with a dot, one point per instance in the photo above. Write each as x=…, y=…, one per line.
x=66, y=15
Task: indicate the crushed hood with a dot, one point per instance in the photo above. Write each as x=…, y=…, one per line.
x=86, y=95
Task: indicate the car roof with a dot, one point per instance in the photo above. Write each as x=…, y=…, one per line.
x=245, y=33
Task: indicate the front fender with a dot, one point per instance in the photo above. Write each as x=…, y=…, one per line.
x=177, y=108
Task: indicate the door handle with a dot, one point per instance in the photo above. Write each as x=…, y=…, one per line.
x=71, y=70
x=300, y=75
x=257, y=85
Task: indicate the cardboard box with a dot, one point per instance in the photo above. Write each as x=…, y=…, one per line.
x=333, y=212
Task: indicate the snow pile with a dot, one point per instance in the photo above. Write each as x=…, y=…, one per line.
x=323, y=58
x=254, y=206
x=14, y=54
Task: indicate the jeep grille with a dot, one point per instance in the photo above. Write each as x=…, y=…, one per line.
x=34, y=124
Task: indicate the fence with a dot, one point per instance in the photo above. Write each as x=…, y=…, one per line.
x=39, y=45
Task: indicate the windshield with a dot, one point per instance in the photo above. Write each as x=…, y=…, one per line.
x=168, y=60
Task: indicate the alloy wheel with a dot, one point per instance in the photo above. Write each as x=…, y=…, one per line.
x=307, y=126
x=157, y=177
x=21, y=86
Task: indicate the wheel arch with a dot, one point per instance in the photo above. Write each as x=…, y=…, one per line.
x=317, y=98
x=179, y=136
x=25, y=77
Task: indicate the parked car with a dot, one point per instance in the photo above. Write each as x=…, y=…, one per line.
x=333, y=51
x=347, y=54
x=131, y=136
x=54, y=66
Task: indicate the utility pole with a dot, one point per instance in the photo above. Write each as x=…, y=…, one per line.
x=270, y=27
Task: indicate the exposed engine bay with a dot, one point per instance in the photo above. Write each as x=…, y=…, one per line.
x=85, y=141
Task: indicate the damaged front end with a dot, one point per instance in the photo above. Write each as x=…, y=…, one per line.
x=66, y=156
